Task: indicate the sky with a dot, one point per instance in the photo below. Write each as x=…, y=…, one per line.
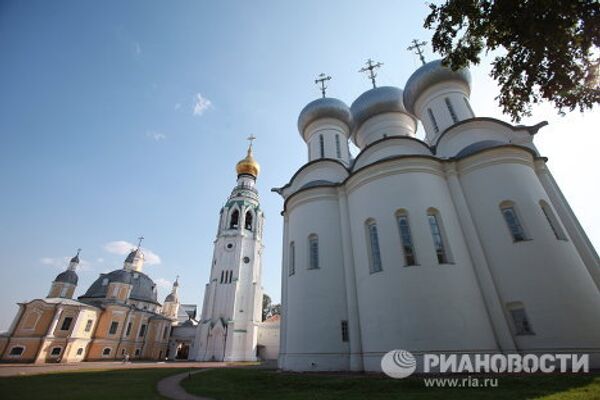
x=126, y=118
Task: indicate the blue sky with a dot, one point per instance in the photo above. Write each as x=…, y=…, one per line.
x=121, y=118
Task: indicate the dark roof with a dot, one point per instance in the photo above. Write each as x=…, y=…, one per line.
x=67, y=276
x=171, y=297
x=142, y=286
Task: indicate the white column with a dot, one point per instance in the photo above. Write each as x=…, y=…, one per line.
x=54, y=323
x=487, y=286
x=356, y=360
x=284, y=281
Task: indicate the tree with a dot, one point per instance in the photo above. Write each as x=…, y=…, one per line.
x=266, y=306
x=552, y=48
x=276, y=309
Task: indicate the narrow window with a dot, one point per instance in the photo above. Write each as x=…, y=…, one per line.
x=123, y=352
x=235, y=217
x=408, y=246
x=165, y=331
x=436, y=128
x=451, y=110
x=552, y=221
x=113, y=328
x=512, y=221
x=338, y=148
x=66, y=324
x=374, y=253
x=80, y=351
x=345, y=336
x=322, y=146
x=519, y=318
x=128, y=330
x=142, y=330
x=55, y=351
x=469, y=106
x=438, y=238
x=106, y=351
x=222, y=274
x=88, y=325
x=16, y=351
x=137, y=352
x=292, y=255
x=313, y=248
x=248, y=221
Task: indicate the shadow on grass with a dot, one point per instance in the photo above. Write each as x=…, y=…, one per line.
x=244, y=384
x=89, y=385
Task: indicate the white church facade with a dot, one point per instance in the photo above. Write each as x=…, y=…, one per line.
x=458, y=243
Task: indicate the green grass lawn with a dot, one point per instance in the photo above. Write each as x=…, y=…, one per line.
x=246, y=384
x=87, y=385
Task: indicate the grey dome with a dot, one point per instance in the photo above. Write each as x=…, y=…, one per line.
x=326, y=107
x=477, y=146
x=67, y=277
x=428, y=75
x=131, y=257
x=75, y=259
x=142, y=286
x=376, y=101
x=171, y=298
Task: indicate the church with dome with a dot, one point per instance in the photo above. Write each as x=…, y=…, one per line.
x=119, y=316
x=457, y=242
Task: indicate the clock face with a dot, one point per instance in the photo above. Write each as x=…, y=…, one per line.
x=246, y=260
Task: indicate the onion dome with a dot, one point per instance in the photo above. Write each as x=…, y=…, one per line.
x=428, y=75
x=171, y=297
x=326, y=107
x=135, y=253
x=376, y=101
x=67, y=276
x=248, y=165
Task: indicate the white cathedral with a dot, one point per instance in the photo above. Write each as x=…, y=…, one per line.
x=458, y=243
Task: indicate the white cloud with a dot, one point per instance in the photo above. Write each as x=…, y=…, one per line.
x=156, y=136
x=163, y=283
x=201, y=104
x=121, y=247
x=62, y=263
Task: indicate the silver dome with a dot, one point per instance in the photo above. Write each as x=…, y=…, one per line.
x=326, y=107
x=67, y=276
x=376, y=101
x=428, y=75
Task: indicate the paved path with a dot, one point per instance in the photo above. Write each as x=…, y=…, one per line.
x=35, y=369
x=170, y=387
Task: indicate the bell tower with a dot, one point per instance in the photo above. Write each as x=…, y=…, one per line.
x=231, y=311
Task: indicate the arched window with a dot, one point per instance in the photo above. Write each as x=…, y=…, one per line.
x=292, y=259
x=313, y=249
x=408, y=246
x=106, y=351
x=520, y=321
x=338, y=147
x=16, y=351
x=322, y=145
x=80, y=351
x=437, y=233
x=436, y=128
x=234, y=220
x=55, y=351
x=373, y=245
x=552, y=221
x=451, y=110
x=511, y=217
x=248, y=221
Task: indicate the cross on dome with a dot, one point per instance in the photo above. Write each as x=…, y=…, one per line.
x=321, y=79
x=370, y=68
x=417, y=47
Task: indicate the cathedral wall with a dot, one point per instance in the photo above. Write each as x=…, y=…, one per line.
x=424, y=307
x=316, y=299
x=562, y=311
x=35, y=320
x=328, y=128
x=391, y=147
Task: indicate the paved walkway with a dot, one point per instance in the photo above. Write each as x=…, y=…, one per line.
x=35, y=369
x=170, y=387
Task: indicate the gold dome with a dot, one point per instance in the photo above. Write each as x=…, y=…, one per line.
x=248, y=166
